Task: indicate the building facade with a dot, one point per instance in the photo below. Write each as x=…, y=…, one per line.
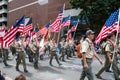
x=3, y=13
x=41, y=11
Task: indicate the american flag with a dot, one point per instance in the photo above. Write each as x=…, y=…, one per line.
x=55, y=26
x=110, y=26
x=11, y=33
x=43, y=30
x=73, y=28
x=27, y=29
x=2, y=32
x=66, y=22
x=21, y=26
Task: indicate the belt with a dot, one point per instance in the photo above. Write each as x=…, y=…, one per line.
x=20, y=51
x=53, y=51
x=89, y=58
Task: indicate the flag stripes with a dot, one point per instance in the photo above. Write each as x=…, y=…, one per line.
x=109, y=27
x=9, y=37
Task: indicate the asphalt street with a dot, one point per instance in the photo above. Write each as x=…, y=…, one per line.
x=69, y=70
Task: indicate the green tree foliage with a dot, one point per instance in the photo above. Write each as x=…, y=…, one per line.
x=97, y=11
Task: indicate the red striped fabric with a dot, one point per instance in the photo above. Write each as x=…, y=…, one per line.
x=55, y=26
x=65, y=24
x=27, y=29
x=111, y=25
x=9, y=37
x=21, y=28
x=73, y=28
x=42, y=31
x=104, y=32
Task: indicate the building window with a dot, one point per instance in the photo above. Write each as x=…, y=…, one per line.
x=0, y=7
x=0, y=24
x=4, y=14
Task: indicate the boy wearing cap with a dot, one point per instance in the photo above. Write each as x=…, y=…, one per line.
x=109, y=52
x=88, y=53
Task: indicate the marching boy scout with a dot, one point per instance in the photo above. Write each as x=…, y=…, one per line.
x=62, y=50
x=20, y=46
x=5, y=55
x=53, y=47
x=88, y=52
x=109, y=49
x=34, y=46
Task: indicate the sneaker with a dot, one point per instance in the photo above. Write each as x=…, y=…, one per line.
x=17, y=69
x=108, y=71
x=117, y=79
x=60, y=64
x=63, y=60
x=51, y=65
x=6, y=65
x=99, y=77
x=25, y=70
x=36, y=67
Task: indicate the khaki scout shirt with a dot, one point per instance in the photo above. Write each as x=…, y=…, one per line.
x=53, y=46
x=109, y=47
x=71, y=42
x=88, y=48
x=18, y=44
x=62, y=44
x=32, y=46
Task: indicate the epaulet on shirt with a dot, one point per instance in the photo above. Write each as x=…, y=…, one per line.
x=103, y=48
x=109, y=42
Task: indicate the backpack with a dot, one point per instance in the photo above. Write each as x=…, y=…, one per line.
x=78, y=47
x=103, y=47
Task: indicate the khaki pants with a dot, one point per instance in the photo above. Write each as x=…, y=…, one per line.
x=35, y=58
x=106, y=66
x=21, y=57
x=87, y=72
x=53, y=53
x=5, y=56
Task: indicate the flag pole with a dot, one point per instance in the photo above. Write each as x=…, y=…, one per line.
x=60, y=25
x=116, y=39
x=75, y=30
x=70, y=20
x=49, y=34
x=69, y=25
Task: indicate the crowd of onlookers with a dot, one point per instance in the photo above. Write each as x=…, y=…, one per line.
x=5, y=77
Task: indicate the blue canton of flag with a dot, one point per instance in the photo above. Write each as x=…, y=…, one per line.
x=112, y=19
x=110, y=27
x=36, y=29
x=20, y=22
x=47, y=25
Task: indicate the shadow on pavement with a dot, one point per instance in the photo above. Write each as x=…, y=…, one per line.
x=49, y=69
